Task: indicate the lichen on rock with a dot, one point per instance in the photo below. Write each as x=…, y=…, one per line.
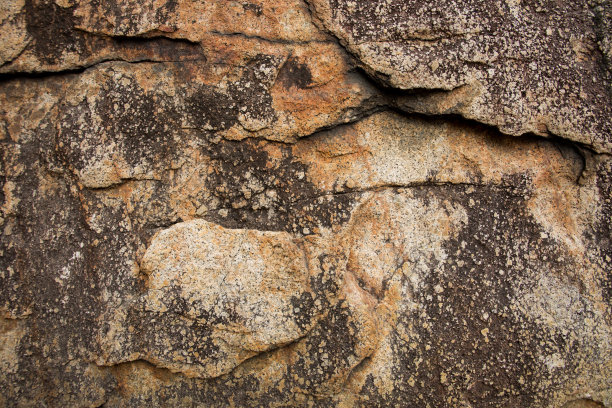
x=305, y=203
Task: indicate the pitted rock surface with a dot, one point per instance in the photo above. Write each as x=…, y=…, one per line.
x=234, y=289
x=524, y=67
x=327, y=203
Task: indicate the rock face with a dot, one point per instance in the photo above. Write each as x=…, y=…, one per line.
x=523, y=67
x=323, y=203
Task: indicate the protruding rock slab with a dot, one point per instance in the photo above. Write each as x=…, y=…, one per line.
x=230, y=294
x=524, y=67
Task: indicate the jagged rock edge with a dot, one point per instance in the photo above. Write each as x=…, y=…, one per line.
x=386, y=90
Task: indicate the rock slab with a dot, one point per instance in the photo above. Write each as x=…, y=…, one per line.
x=322, y=203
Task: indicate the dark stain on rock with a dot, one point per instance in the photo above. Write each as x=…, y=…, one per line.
x=126, y=19
x=600, y=236
x=208, y=108
x=245, y=100
x=602, y=18
x=52, y=28
x=158, y=49
x=164, y=13
x=472, y=344
x=253, y=190
x=370, y=395
x=171, y=336
x=330, y=350
x=2, y=183
x=254, y=8
x=324, y=286
x=53, y=31
x=295, y=74
x=116, y=227
x=54, y=284
x=139, y=125
x=251, y=92
x=168, y=337
x=303, y=307
x=142, y=121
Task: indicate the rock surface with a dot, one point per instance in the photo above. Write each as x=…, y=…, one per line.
x=323, y=203
x=524, y=67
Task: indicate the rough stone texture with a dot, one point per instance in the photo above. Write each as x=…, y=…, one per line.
x=237, y=288
x=285, y=204
x=524, y=67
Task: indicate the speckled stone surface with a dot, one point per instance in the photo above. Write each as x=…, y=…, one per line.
x=321, y=203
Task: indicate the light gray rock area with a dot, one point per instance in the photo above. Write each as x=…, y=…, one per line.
x=306, y=203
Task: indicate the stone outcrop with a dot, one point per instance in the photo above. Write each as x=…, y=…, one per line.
x=321, y=203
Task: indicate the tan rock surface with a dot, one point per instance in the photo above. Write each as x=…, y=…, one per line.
x=234, y=293
x=287, y=204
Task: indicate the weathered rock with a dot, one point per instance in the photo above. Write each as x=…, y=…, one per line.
x=215, y=204
x=55, y=35
x=12, y=23
x=524, y=67
x=231, y=294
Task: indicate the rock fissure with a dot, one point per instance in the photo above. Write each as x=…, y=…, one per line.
x=10, y=76
x=265, y=39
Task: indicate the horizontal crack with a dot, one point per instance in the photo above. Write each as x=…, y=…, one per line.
x=157, y=365
x=147, y=37
x=266, y=39
x=423, y=38
x=122, y=182
x=386, y=186
x=7, y=76
x=136, y=361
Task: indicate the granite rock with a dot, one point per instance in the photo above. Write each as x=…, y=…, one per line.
x=325, y=203
x=524, y=67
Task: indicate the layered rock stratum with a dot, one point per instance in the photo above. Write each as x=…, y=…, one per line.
x=306, y=203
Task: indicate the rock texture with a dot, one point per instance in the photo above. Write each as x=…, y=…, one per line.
x=323, y=203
